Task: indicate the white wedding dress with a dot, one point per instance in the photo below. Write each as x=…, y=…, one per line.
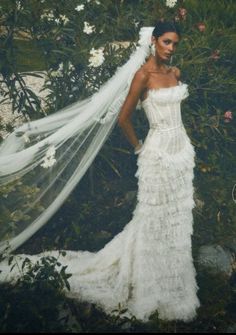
x=148, y=266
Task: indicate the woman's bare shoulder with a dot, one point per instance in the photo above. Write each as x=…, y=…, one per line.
x=176, y=71
x=141, y=74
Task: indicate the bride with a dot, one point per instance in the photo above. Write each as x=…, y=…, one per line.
x=148, y=266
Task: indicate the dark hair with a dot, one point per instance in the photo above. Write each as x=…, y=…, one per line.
x=163, y=27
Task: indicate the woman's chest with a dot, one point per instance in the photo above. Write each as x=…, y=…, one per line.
x=160, y=80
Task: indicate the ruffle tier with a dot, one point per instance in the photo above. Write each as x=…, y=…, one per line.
x=148, y=266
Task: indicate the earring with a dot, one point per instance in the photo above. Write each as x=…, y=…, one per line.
x=153, y=49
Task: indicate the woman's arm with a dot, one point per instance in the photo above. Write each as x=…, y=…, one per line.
x=138, y=85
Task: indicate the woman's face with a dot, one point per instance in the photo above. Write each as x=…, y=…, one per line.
x=165, y=45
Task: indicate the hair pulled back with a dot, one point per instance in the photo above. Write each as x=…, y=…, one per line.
x=163, y=27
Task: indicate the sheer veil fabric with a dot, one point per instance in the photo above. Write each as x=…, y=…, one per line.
x=49, y=156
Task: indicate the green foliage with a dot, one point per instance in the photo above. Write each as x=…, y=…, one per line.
x=35, y=301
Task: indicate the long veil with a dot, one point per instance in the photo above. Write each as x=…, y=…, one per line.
x=42, y=161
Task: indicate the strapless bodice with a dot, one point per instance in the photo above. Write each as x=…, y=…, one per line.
x=162, y=107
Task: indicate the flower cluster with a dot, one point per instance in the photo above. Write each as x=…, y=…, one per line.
x=96, y=58
x=62, y=18
x=182, y=13
x=49, y=158
x=56, y=74
x=19, y=5
x=88, y=29
x=79, y=8
x=228, y=116
x=171, y=3
x=49, y=16
x=201, y=26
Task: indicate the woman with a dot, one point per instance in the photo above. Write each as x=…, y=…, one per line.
x=148, y=266
x=165, y=174
x=154, y=74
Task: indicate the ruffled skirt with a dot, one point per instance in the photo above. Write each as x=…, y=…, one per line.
x=147, y=267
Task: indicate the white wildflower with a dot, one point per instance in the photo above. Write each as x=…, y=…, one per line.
x=48, y=15
x=79, y=8
x=26, y=138
x=97, y=57
x=51, y=151
x=56, y=74
x=49, y=159
x=71, y=67
x=19, y=5
x=48, y=162
x=64, y=19
x=171, y=3
x=53, y=73
x=88, y=29
x=61, y=67
x=98, y=2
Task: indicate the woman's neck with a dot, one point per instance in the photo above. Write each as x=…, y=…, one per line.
x=159, y=65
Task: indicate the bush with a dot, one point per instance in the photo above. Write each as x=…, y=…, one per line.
x=36, y=301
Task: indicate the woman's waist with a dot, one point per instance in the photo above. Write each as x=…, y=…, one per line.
x=165, y=128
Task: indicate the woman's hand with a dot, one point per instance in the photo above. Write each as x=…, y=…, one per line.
x=138, y=148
